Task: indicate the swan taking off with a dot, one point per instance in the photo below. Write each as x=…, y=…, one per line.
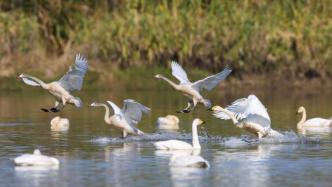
x=126, y=118
x=181, y=145
x=249, y=114
x=311, y=123
x=59, y=124
x=170, y=122
x=35, y=159
x=192, y=90
x=62, y=88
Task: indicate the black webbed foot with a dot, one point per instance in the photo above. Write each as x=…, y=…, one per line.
x=45, y=110
x=54, y=110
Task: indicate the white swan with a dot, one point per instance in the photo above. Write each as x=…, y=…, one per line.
x=249, y=114
x=170, y=122
x=59, y=124
x=126, y=118
x=62, y=88
x=179, y=145
x=311, y=123
x=192, y=90
x=35, y=159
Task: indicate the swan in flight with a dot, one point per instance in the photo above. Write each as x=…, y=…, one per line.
x=35, y=159
x=62, y=88
x=126, y=118
x=313, y=122
x=192, y=90
x=170, y=122
x=59, y=124
x=249, y=114
x=181, y=145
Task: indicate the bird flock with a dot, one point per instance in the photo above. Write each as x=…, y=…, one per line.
x=245, y=113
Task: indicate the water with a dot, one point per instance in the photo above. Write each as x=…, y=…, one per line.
x=91, y=154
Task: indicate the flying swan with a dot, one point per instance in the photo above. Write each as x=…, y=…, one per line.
x=170, y=122
x=311, y=123
x=192, y=90
x=35, y=159
x=62, y=88
x=249, y=114
x=126, y=118
x=181, y=145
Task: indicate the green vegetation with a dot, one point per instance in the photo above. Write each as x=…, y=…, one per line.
x=283, y=38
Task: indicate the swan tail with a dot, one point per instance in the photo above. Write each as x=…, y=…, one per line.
x=139, y=132
x=274, y=133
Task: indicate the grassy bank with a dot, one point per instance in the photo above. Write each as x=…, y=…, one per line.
x=258, y=38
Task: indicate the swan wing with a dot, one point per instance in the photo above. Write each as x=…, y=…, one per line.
x=179, y=73
x=73, y=79
x=133, y=110
x=249, y=109
x=172, y=145
x=211, y=81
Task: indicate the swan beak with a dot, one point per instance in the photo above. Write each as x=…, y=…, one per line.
x=203, y=122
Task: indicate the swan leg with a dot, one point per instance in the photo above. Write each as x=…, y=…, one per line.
x=45, y=109
x=189, y=107
x=58, y=106
x=124, y=133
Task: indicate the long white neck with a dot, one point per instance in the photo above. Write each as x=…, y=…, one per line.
x=38, y=81
x=196, y=144
x=300, y=123
x=107, y=112
x=231, y=115
x=170, y=82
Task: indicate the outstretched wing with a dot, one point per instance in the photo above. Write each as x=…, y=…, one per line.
x=212, y=81
x=179, y=73
x=248, y=109
x=132, y=111
x=73, y=79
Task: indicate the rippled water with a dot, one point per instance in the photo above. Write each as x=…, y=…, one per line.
x=91, y=154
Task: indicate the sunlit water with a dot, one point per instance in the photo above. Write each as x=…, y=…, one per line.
x=92, y=154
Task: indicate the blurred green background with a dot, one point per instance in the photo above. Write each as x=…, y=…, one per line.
x=123, y=39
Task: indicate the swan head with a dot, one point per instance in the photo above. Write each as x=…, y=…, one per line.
x=301, y=110
x=158, y=76
x=217, y=108
x=95, y=104
x=198, y=121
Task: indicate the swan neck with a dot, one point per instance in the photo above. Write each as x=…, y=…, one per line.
x=300, y=123
x=231, y=115
x=169, y=81
x=107, y=114
x=42, y=83
x=196, y=144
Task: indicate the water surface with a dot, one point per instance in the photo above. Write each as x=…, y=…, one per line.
x=91, y=154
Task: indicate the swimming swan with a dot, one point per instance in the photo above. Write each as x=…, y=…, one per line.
x=311, y=123
x=170, y=122
x=35, y=159
x=181, y=145
x=62, y=88
x=126, y=118
x=59, y=124
x=249, y=114
x=192, y=90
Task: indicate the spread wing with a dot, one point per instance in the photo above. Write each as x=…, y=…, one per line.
x=248, y=109
x=179, y=73
x=212, y=81
x=133, y=110
x=73, y=79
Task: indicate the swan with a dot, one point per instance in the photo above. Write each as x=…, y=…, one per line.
x=170, y=122
x=181, y=145
x=59, y=124
x=311, y=123
x=194, y=161
x=35, y=159
x=249, y=114
x=126, y=118
x=192, y=90
x=62, y=88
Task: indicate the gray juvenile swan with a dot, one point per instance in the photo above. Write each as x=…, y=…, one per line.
x=249, y=114
x=126, y=118
x=192, y=90
x=311, y=123
x=62, y=88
